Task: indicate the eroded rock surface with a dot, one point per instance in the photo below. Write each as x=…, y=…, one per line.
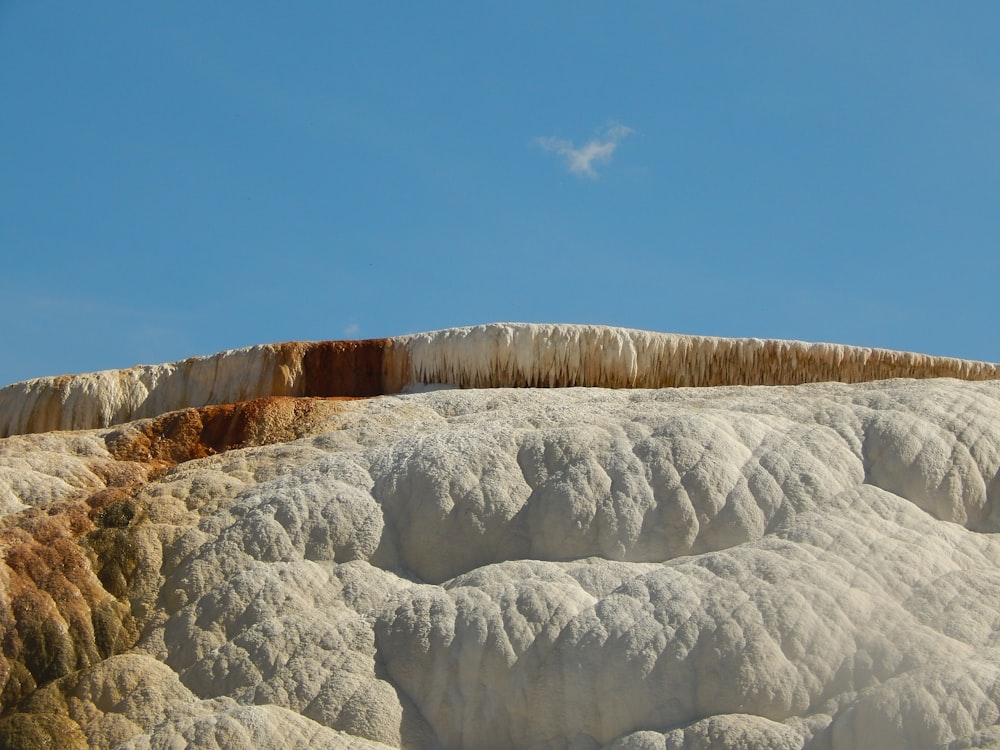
x=812, y=566
x=498, y=355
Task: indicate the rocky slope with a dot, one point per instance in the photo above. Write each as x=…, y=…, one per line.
x=261, y=561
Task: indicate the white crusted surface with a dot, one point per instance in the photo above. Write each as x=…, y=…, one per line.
x=559, y=355
x=45, y=468
x=495, y=356
x=811, y=566
x=109, y=397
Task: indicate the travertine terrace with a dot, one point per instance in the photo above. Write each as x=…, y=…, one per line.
x=490, y=356
x=602, y=538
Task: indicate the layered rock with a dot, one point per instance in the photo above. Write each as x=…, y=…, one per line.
x=807, y=566
x=500, y=355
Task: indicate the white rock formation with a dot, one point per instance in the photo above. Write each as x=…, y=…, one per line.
x=810, y=566
x=489, y=356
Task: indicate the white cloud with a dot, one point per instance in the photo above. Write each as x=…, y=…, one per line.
x=351, y=329
x=581, y=161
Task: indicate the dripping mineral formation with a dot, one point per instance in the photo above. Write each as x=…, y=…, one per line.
x=601, y=538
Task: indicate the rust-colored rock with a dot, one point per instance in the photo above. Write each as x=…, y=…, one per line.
x=343, y=368
x=29, y=731
x=55, y=615
x=196, y=433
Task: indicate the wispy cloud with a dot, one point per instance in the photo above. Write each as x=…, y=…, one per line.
x=599, y=150
x=351, y=329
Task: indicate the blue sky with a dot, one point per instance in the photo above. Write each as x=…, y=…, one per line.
x=182, y=178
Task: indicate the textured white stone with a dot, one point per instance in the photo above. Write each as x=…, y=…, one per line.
x=42, y=469
x=810, y=566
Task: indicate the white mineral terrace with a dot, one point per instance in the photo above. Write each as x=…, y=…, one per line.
x=616, y=567
x=489, y=356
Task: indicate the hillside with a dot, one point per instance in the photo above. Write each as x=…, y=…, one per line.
x=602, y=538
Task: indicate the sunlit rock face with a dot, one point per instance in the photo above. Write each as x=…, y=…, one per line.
x=489, y=356
x=801, y=566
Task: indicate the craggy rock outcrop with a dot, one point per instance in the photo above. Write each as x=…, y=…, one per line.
x=500, y=355
x=810, y=566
